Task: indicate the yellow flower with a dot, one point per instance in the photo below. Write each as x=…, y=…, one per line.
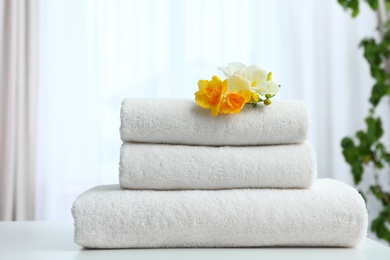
x=210, y=94
x=232, y=104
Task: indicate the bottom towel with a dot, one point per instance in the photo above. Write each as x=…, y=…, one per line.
x=330, y=214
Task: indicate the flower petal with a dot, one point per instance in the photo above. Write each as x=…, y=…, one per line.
x=268, y=87
x=272, y=88
x=255, y=75
x=232, y=104
x=237, y=83
x=232, y=68
x=203, y=83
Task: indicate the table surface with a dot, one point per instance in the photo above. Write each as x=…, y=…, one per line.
x=54, y=240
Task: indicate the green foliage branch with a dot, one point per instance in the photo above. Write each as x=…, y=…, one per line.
x=366, y=150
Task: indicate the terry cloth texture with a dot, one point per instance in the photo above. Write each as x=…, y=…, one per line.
x=329, y=214
x=181, y=121
x=165, y=167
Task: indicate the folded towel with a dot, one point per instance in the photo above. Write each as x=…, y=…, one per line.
x=179, y=121
x=329, y=214
x=162, y=166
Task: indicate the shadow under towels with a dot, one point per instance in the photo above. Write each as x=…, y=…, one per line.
x=163, y=166
x=330, y=214
x=181, y=121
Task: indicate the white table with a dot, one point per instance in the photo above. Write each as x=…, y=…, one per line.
x=54, y=241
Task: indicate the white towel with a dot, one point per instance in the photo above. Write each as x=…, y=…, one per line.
x=329, y=214
x=162, y=166
x=181, y=121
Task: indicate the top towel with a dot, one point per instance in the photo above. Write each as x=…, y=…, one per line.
x=182, y=121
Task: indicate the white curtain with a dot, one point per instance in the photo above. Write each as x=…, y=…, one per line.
x=18, y=102
x=95, y=53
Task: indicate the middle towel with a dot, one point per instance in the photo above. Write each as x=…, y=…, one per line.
x=170, y=167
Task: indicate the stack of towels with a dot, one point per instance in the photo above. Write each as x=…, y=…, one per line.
x=188, y=179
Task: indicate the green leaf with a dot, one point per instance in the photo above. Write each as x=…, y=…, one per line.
x=374, y=129
x=357, y=170
x=376, y=191
x=350, y=151
x=379, y=226
x=382, y=197
x=378, y=164
x=353, y=5
x=378, y=91
x=381, y=150
x=362, y=136
x=347, y=143
x=373, y=4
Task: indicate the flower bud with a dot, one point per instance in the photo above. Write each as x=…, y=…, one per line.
x=269, y=76
x=267, y=102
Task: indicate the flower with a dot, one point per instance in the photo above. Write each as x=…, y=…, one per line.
x=232, y=104
x=244, y=85
x=210, y=94
x=232, y=68
x=266, y=87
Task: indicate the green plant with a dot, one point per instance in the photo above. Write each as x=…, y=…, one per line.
x=366, y=151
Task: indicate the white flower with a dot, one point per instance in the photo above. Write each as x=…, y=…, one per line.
x=260, y=81
x=255, y=75
x=234, y=68
x=267, y=87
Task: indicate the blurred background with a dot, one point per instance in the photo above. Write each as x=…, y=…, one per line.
x=66, y=65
